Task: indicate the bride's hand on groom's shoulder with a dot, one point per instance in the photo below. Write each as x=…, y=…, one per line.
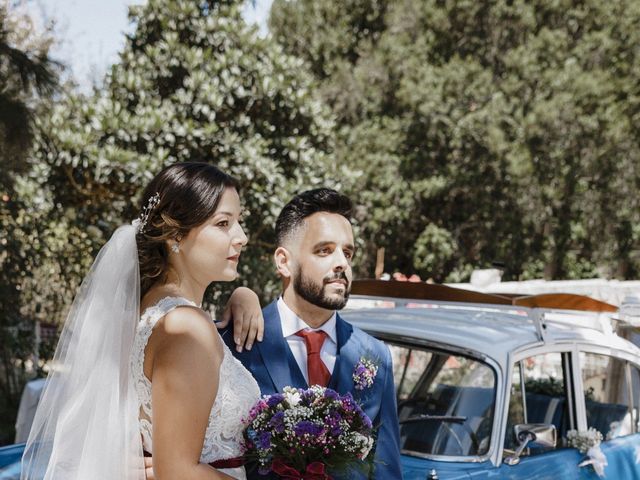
x=244, y=309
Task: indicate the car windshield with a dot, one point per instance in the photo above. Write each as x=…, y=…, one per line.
x=445, y=402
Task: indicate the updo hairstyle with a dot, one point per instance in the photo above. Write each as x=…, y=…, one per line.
x=189, y=194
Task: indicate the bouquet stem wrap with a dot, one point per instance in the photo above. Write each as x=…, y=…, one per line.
x=314, y=471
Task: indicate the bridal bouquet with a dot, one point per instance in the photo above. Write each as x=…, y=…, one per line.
x=303, y=434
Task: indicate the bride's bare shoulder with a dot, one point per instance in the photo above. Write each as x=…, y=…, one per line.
x=187, y=320
x=186, y=334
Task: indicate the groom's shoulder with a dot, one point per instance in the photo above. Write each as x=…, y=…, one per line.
x=270, y=311
x=368, y=343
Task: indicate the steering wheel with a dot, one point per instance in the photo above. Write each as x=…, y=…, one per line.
x=446, y=423
x=452, y=434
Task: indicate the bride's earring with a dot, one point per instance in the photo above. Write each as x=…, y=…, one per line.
x=175, y=248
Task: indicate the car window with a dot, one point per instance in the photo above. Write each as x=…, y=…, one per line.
x=409, y=364
x=539, y=394
x=608, y=394
x=445, y=402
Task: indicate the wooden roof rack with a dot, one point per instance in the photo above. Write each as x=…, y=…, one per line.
x=564, y=301
x=435, y=292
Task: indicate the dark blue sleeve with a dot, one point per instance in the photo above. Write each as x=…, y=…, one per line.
x=227, y=336
x=387, y=455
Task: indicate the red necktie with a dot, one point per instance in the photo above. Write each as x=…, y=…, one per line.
x=316, y=369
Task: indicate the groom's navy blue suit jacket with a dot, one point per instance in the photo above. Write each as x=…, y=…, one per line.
x=274, y=367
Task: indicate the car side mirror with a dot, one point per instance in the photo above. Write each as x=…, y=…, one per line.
x=532, y=435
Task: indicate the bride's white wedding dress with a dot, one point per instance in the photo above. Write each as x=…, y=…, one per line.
x=237, y=393
x=96, y=388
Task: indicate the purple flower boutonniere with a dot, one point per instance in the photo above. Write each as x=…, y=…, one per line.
x=364, y=374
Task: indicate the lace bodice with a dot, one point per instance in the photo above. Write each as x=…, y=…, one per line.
x=237, y=393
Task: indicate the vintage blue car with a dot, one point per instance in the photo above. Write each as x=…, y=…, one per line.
x=491, y=386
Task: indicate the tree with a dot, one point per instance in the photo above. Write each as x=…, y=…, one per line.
x=28, y=77
x=26, y=73
x=195, y=83
x=483, y=130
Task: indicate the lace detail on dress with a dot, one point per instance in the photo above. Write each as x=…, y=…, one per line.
x=237, y=393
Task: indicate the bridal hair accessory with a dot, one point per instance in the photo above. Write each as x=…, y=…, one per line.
x=141, y=222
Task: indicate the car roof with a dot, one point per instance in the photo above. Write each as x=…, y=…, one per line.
x=493, y=331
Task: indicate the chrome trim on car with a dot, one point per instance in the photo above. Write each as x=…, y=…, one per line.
x=442, y=347
x=448, y=458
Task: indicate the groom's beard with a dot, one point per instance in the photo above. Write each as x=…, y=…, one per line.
x=315, y=293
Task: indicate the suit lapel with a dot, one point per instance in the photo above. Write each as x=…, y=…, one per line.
x=276, y=355
x=346, y=357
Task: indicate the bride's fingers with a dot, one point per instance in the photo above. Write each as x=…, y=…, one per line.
x=241, y=325
x=253, y=332
x=260, y=319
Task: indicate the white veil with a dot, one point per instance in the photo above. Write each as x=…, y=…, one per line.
x=86, y=425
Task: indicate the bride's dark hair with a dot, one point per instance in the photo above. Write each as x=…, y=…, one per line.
x=189, y=194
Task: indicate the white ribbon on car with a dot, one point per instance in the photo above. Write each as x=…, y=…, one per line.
x=597, y=459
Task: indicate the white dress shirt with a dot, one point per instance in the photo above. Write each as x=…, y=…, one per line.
x=291, y=324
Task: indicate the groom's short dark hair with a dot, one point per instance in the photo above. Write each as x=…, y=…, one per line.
x=306, y=204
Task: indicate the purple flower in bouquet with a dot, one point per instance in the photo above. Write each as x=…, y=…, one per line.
x=277, y=422
x=275, y=399
x=312, y=430
x=264, y=440
x=308, y=428
x=364, y=374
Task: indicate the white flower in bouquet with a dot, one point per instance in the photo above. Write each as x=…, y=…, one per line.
x=292, y=396
x=360, y=444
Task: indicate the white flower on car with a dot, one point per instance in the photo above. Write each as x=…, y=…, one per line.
x=588, y=442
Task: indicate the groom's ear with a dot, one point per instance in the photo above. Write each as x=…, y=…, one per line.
x=282, y=257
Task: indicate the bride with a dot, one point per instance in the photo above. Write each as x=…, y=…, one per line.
x=140, y=368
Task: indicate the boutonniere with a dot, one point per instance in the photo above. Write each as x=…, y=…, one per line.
x=364, y=373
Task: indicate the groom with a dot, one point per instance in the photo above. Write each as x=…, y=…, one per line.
x=305, y=340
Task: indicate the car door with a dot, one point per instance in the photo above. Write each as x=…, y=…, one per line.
x=542, y=392
x=611, y=402
x=446, y=405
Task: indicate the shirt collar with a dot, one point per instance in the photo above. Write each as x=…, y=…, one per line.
x=292, y=323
